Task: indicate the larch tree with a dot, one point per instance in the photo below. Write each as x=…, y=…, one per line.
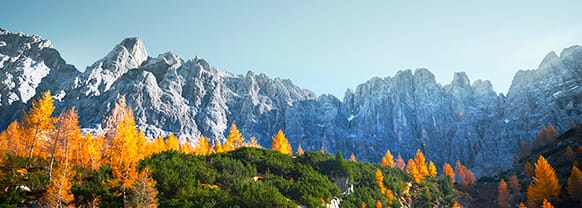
x=420, y=162
x=281, y=144
x=218, y=146
x=159, y=145
x=448, y=171
x=575, y=184
x=432, y=170
x=466, y=177
x=93, y=151
x=69, y=132
x=123, y=153
x=400, y=164
x=380, y=180
x=58, y=193
x=545, y=186
x=411, y=168
x=503, y=195
x=144, y=194
x=387, y=160
x=234, y=139
x=39, y=122
x=172, y=143
x=547, y=204
x=528, y=169
x=378, y=204
x=300, y=150
x=521, y=205
x=14, y=140
x=253, y=142
x=353, y=157
x=203, y=147
x=514, y=184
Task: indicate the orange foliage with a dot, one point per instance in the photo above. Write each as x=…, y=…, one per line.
x=420, y=162
x=528, y=169
x=466, y=177
x=575, y=184
x=546, y=204
x=411, y=169
x=234, y=140
x=13, y=139
x=546, y=185
x=503, y=195
x=203, y=147
x=380, y=180
x=387, y=160
x=218, y=146
x=172, y=143
x=449, y=171
x=38, y=123
x=300, y=150
x=432, y=170
x=521, y=205
x=378, y=204
x=544, y=137
x=353, y=157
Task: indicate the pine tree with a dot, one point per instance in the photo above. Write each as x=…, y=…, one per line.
x=449, y=171
x=400, y=164
x=38, y=122
x=281, y=144
x=503, y=195
x=353, y=157
x=432, y=170
x=387, y=160
x=575, y=184
x=546, y=185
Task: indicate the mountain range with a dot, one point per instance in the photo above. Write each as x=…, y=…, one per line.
x=461, y=120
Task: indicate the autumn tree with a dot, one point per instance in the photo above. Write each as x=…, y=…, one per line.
x=380, y=180
x=545, y=186
x=421, y=164
x=514, y=184
x=503, y=195
x=234, y=140
x=544, y=137
x=387, y=160
x=524, y=150
x=93, y=151
x=411, y=168
x=465, y=176
x=571, y=154
x=353, y=157
x=186, y=148
x=253, y=142
x=378, y=204
x=448, y=171
x=218, y=146
x=67, y=132
x=432, y=170
x=172, y=143
x=575, y=184
x=203, y=147
x=546, y=204
x=144, y=194
x=123, y=152
x=528, y=169
x=14, y=139
x=58, y=193
x=521, y=205
x=300, y=150
x=400, y=164
x=38, y=122
x=281, y=144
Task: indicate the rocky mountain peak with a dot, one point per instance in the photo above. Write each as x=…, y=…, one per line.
x=550, y=57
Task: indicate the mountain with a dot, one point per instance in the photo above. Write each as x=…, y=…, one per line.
x=459, y=121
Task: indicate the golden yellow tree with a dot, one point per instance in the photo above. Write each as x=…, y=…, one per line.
x=123, y=153
x=38, y=122
x=353, y=157
x=387, y=160
x=380, y=180
x=546, y=185
x=281, y=144
x=93, y=151
x=159, y=145
x=449, y=171
x=186, y=148
x=363, y=205
x=14, y=140
x=420, y=162
x=234, y=140
x=58, y=193
x=218, y=146
x=253, y=142
x=203, y=147
x=67, y=132
x=575, y=184
x=411, y=169
x=172, y=143
x=378, y=204
x=503, y=195
x=432, y=170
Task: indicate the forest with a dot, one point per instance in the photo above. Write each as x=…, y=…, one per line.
x=47, y=161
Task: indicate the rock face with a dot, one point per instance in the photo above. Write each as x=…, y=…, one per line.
x=460, y=121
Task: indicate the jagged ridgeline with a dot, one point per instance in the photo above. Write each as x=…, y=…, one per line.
x=459, y=121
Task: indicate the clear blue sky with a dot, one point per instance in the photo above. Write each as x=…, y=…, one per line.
x=325, y=46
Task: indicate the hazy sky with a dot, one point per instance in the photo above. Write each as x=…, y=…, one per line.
x=325, y=46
